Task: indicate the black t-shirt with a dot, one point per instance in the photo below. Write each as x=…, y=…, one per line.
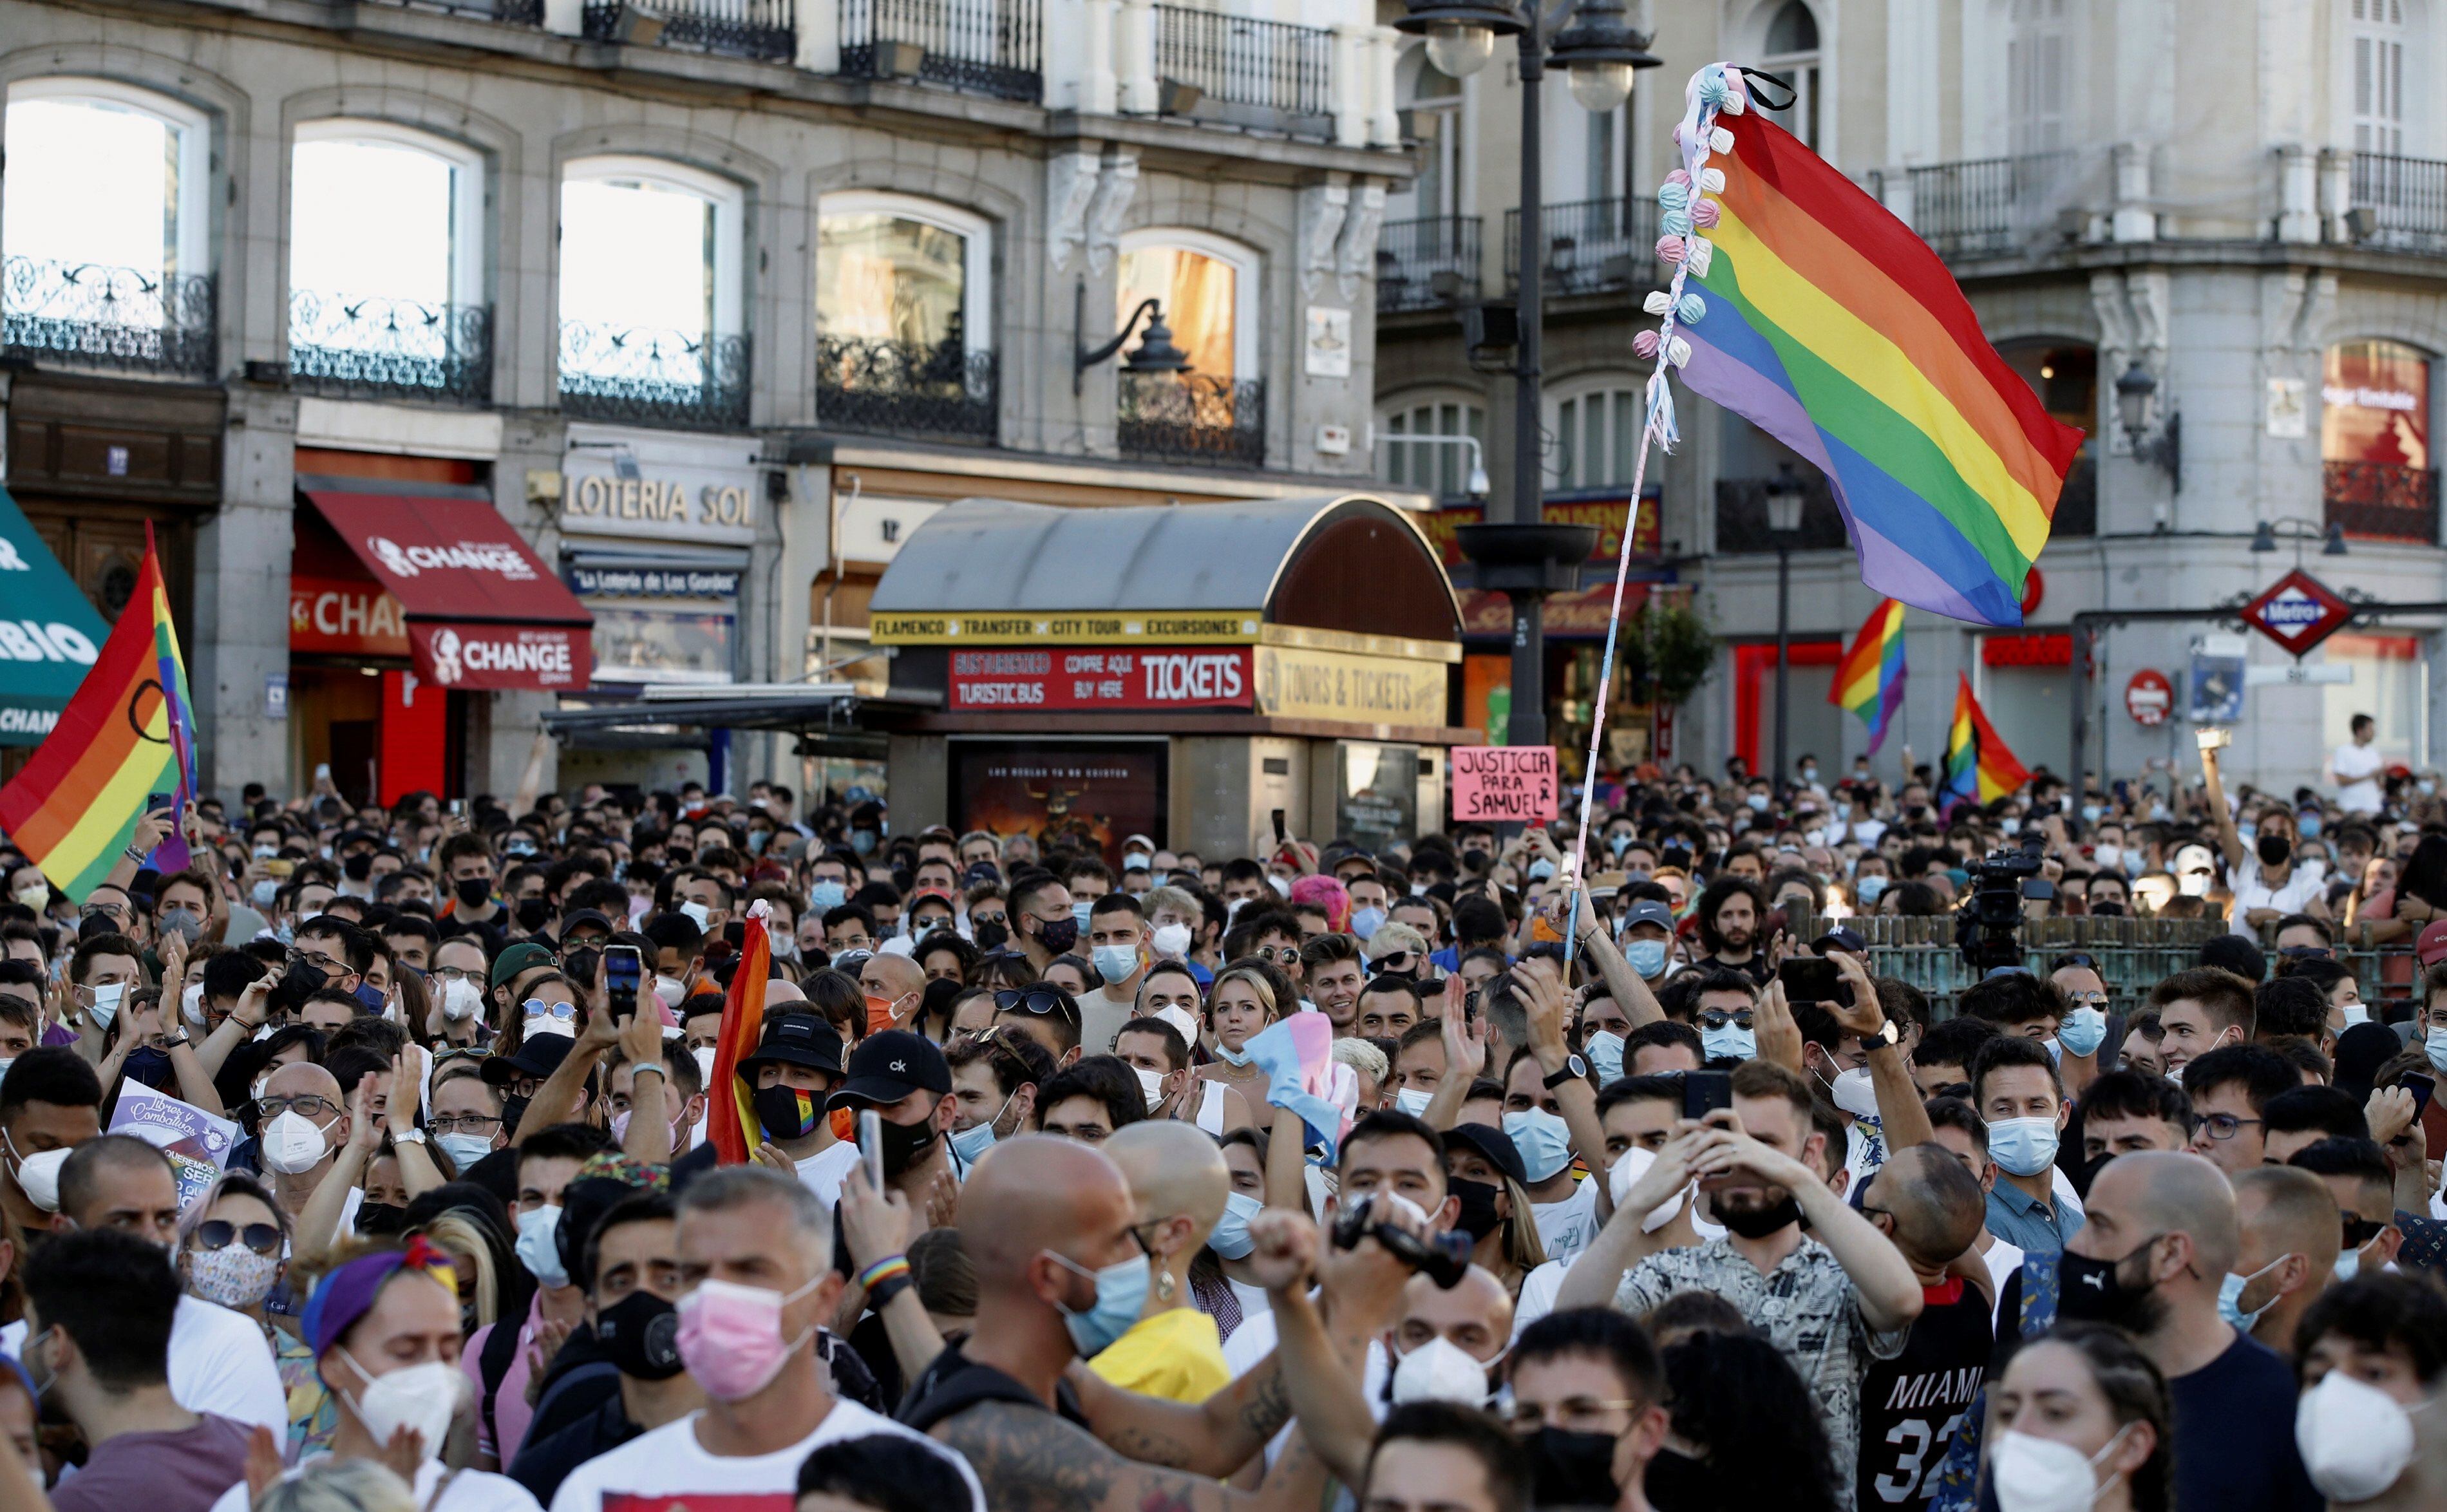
x=2235, y=1434
x=543, y=1462
x=1911, y=1405
x=953, y=1383
x=1756, y=968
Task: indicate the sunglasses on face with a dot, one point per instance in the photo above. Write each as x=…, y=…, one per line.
x=1718, y=1018
x=538, y=1008
x=1038, y=1000
x=219, y=1234
x=2361, y=1231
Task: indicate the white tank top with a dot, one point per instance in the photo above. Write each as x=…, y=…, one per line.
x=1210, y=1109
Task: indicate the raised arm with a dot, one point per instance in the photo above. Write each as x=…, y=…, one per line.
x=1598, y=1273
x=1465, y=1039
x=1901, y=1112
x=1541, y=989
x=2229, y=839
x=1890, y=1294
x=253, y=1008
x=1622, y=983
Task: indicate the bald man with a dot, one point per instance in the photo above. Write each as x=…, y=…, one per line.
x=1475, y=1317
x=301, y=1107
x=1928, y=1202
x=2160, y=1238
x=1178, y=1183
x=1046, y=1225
x=895, y=986
x=2291, y=1233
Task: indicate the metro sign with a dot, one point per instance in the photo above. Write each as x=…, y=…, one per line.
x=2298, y=612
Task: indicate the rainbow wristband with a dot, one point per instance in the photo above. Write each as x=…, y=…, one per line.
x=882, y=1270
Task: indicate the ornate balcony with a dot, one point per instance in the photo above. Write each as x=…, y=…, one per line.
x=1593, y=246
x=2378, y=501
x=370, y=347
x=688, y=381
x=1269, y=74
x=1986, y=207
x=906, y=388
x=508, y=12
x=2405, y=201
x=1412, y=254
x=89, y=316
x=1193, y=418
x=981, y=47
x=739, y=29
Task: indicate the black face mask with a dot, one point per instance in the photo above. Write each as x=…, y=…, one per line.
x=2091, y=1291
x=381, y=1219
x=1478, y=1215
x=514, y=1107
x=994, y=935
x=473, y=891
x=302, y=981
x=784, y=1116
x=2110, y=909
x=1057, y=935
x=2273, y=849
x=533, y=912
x=1758, y=1222
x=1571, y=1469
x=1676, y=1482
x=358, y=867
x=641, y=1333
x=904, y=1145
x=148, y=1065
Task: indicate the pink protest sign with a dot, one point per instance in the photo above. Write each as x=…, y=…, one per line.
x=1492, y=784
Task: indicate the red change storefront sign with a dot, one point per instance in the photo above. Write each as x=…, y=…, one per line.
x=1032, y=678
x=470, y=653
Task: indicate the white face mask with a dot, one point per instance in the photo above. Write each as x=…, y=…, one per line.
x=1854, y=1092
x=292, y=1142
x=1628, y=1168
x=2040, y=1475
x=460, y=1001
x=1439, y=1371
x=2356, y=1439
x=191, y=1004
x=38, y=1176
x=422, y=1398
x=1171, y=940
x=106, y=1003
x=1151, y=1083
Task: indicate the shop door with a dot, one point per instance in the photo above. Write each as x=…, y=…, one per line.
x=104, y=555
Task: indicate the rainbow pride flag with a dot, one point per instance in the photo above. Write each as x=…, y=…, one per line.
x=1870, y=680
x=732, y=1122
x=128, y=735
x=1979, y=767
x=1832, y=326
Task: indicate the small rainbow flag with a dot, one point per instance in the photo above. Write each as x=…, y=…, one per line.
x=128, y=734
x=1978, y=767
x=1870, y=680
x=732, y=1124
x=1832, y=326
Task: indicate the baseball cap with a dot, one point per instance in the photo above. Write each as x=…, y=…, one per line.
x=584, y=919
x=525, y=957
x=1494, y=1145
x=538, y=1056
x=1649, y=911
x=891, y=1065
x=800, y=1039
x=1840, y=940
x=2431, y=945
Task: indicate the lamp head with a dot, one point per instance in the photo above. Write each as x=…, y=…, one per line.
x=2135, y=391
x=1156, y=353
x=1461, y=34
x=1601, y=53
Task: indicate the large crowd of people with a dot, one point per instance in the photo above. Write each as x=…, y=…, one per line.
x=388, y=1159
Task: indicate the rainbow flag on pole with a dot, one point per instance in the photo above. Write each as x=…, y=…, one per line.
x=128, y=734
x=730, y=1121
x=1832, y=326
x=1870, y=680
x=1978, y=767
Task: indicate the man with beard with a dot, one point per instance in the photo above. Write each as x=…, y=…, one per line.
x=1732, y=912
x=1831, y=1301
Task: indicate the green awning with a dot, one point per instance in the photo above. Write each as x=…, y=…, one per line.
x=50, y=637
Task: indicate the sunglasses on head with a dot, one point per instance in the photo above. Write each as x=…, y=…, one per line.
x=1038, y=1000
x=219, y=1234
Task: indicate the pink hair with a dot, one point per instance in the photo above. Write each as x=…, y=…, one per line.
x=1324, y=892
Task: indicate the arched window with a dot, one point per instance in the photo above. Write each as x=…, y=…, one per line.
x=1594, y=436
x=1792, y=54
x=101, y=171
x=2035, y=79
x=651, y=273
x=1438, y=469
x=899, y=269
x=1209, y=287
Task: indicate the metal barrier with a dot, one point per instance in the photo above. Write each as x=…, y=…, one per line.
x=2132, y=955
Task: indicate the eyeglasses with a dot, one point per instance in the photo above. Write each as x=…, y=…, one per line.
x=2361, y=1231
x=307, y=1105
x=218, y=1234
x=458, y=973
x=1718, y=1018
x=1280, y=955
x=321, y=963
x=2224, y=1125
x=464, y=1123
x=1038, y=1000
x=538, y=1008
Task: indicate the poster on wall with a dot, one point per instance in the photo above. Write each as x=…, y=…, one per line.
x=1377, y=793
x=1091, y=793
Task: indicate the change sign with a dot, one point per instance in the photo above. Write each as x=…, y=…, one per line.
x=1492, y=784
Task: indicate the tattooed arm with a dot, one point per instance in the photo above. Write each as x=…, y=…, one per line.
x=1213, y=1437
x=1031, y=1460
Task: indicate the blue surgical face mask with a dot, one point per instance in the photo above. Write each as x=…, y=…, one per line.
x=1233, y=1057
x=2090, y=813
x=825, y=895
x=2023, y=1147
x=2308, y=825
x=2230, y=1296
x=2082, y=1032
x=1604, y=1050
x=970, y=1144
x=536, y=1249
x=1645, y=956
x=1114, y=963
x=1869, y=888
x=2350, y=1264
x=2435, y=1046
x=1543, y=1140
x=1121, y=1295
x=1365, y=922
x=1541, y=869
x=1080, y=911
x=1413, y=1101
x=1729, y=1043
x=1230, y=1238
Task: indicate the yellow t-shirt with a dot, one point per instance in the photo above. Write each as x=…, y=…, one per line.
x=1176, y=1354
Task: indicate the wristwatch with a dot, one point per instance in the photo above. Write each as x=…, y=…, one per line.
x=179, y=1044
x=1573, y=1069
x=413, y=1136
x=1887, y=1035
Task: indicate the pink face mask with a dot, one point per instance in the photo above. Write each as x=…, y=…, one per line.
x=730, y=1336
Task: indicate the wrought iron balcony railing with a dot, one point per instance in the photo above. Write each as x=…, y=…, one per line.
x=1410, y=253
x=90, y=316
x=1592, y=246
x=1267, y=73
x=740, y=28
x=508, y=12
x=907, y=388
x=370, y=347
x=983, y=46
x=2383, y=503
x=2406, y=200
x=693, y=382
x=1984, y=207
x=1193, y=418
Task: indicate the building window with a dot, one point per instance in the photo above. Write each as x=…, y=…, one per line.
x=1204, y=284
x=2374, y=442
x=2377, y=63
x=385, y=263
x=1594, y=439
x=651, y=272
x=1439, y=469
x=903, y=330
x=1791, y=54
x=1434, y=98
x=2035, y=76
x=106, y=232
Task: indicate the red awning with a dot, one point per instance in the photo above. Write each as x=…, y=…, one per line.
x=484, y=612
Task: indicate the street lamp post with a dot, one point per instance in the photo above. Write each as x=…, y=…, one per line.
x=1521, y=556
x=1784, y=501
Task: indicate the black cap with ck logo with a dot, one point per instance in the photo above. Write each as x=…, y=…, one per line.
x=888, y=1066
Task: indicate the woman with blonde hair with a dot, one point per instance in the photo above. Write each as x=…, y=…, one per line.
x=233, y=1251
x=1244, y=1000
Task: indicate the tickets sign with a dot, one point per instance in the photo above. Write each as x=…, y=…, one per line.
x=1028, y=678
x=1495, y=783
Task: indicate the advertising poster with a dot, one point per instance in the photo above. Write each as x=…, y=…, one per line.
x=1095, y=793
